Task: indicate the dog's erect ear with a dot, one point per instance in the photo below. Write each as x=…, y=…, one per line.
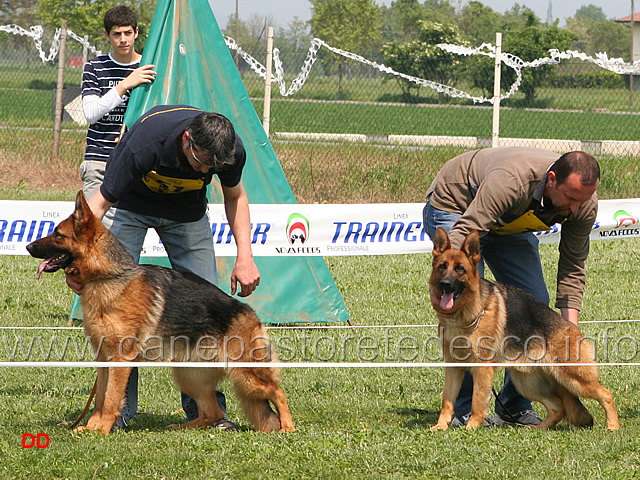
x=471, y=246
x=440, y=242
x=83, y=217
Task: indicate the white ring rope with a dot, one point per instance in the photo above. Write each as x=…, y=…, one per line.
x=320, y=327
x=616, y=65
x=36, y=33
x=230, y=364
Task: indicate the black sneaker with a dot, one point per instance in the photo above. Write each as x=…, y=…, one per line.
x=462, y=421
x=225, y=424
x=526, y=417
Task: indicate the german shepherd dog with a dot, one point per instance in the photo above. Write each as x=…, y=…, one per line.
x=481, y=321
x=147, y=312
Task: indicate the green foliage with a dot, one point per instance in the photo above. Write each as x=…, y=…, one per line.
x=479, y=22
x=85, y=17
x=610, y=37
x=352, y=25
x=422, y=58
x=519, y=17
x=600, y=36
x=590, y=12
x=401, y=20
x=597, y=79
x=529, y=43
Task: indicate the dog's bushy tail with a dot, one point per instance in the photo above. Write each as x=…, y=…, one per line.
x=254, y=388
x=575, y=412
x=260, y=414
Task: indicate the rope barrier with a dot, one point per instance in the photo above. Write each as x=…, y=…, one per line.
x=325, y=327
x=227, y=365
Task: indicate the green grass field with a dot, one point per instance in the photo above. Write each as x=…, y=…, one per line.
x=351, y=423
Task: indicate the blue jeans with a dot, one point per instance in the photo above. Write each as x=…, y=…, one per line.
x=189, y=246
x=513, y=260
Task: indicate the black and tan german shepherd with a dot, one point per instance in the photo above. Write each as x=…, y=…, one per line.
x=481, y=321
x=146, y=312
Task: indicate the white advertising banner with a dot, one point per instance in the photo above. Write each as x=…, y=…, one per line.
x=303, y=229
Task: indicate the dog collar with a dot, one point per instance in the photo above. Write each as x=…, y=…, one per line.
x=474, y=325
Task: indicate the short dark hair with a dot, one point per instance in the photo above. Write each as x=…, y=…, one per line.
x=578, y=162
x=214, y=133
x=120, y=16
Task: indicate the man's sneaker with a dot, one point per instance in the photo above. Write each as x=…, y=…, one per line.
x=225, y=424
x=526, y=417
x=462, y=421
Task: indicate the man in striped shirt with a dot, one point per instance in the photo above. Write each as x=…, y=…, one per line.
x=107, y=82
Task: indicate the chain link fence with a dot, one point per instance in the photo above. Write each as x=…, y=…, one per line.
x=355, y=132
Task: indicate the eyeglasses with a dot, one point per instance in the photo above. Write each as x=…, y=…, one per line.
x=216, y=163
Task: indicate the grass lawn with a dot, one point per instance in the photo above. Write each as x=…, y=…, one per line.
x=351, y=423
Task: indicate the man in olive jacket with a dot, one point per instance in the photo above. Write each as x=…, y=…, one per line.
x=507, y=194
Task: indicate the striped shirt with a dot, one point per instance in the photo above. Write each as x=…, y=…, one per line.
x=101, y=74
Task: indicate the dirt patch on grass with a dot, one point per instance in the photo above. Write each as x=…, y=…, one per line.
x=38, y=176
x=26, y=160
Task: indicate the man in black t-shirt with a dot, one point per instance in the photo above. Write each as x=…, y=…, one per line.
x=157, y=177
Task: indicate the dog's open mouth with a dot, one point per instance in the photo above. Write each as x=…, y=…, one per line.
x=447, y=300
x=53, y=264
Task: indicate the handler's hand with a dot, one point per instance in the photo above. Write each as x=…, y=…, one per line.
x=247, y=275
x=142, y=74
x=73, y=284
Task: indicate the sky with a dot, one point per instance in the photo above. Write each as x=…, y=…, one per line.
x=284, y=11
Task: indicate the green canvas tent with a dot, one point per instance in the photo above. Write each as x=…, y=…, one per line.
x=195, y=68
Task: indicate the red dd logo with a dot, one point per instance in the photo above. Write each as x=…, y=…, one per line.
x=40, y=440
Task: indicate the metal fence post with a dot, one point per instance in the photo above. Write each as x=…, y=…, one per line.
x=62, y=58
x=495, y=131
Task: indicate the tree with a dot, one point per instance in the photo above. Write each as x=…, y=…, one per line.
x=529, y=44
x=351, y=25
x=294, y=41
x=296, y=34
x=440, y=11
x=590, y=12
x=517, y=18
x=401, y=20
x=610, y=37
x=19, y=12
x=479, y=22
x=85, y=17
x=596, y=35
x=423, y=58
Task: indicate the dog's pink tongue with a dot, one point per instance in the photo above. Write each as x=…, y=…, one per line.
x=41, y=268
x=446, y=302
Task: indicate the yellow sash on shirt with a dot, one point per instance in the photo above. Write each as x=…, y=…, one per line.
x=528, y=222
x=162, y=184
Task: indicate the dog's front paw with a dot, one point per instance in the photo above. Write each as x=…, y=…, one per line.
x=87, y=428
x=439, y=426
x=474, y=423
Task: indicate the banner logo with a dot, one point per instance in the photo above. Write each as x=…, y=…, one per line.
x=297, y=229
x=624, y=219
